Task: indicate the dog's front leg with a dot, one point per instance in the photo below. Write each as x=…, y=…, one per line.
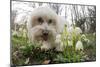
x=46, y=46
x=59, y=47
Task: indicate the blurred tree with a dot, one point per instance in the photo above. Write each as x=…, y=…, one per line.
x=40, y=3
x=55, y=7
x=92, y=18
x=65, y=11
x=13, y=16
x=84, y=18
x=31, y=4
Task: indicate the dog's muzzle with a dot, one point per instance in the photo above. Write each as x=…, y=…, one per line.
x=45, y=35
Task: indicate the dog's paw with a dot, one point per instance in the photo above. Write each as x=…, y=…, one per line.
x=44, y=48
x=59, y=47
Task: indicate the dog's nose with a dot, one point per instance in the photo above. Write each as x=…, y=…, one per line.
x=45, y=32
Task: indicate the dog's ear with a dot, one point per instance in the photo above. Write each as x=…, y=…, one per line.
x=60, y=24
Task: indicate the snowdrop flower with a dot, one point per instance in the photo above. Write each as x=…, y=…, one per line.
x=70, y=43
x=79, y=45
x=24, y=33
x=78, y=30
x=94, y=33
x=14, y=33
x=87, y=40
x=24, y=30
x=70, y=30
x=69, y=37
x=83, y=36
x=20, y=29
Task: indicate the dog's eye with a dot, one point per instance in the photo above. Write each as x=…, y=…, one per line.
x=50, y=21
x=40, y=20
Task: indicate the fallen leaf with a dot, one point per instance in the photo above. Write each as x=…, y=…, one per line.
x=46, y=62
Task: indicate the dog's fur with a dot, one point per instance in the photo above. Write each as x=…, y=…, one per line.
x=43, y=26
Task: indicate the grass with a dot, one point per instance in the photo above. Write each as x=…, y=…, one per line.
x=26, y=53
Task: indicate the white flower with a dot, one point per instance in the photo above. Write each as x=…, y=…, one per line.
x=14, y=33
x=83, y=36
x=20, y=29
x=70, y=43
x=87, y=40
x=69, y=37
x=70, y=29
x=79, y=45
x=78, y=30
x=94, y=33
x=24, y=35
x=24, y=30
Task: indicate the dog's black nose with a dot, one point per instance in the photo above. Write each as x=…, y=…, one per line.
x=45, y=32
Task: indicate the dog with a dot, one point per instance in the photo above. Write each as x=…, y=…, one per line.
x=43, y=26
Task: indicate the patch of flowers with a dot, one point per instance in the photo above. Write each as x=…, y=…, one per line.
x=71, y=40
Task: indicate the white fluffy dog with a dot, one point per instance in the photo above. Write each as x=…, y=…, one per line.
x=43, y=26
